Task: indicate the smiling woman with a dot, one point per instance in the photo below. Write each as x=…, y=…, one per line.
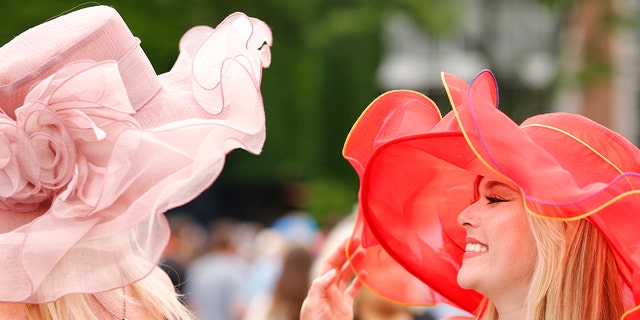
x=500, y=253
x=550, y=231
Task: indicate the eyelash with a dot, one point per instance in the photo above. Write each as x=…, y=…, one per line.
x=494, y=199
x=491, y=200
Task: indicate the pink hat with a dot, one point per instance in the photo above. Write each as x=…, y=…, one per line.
x=94, y=146
x=418, y=172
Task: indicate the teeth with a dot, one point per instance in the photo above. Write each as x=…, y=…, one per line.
x=475, y=247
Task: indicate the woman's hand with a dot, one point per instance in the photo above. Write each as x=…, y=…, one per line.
x=331, y=295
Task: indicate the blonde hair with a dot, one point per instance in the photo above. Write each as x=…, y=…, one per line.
x=575, y=276
x=151, y=293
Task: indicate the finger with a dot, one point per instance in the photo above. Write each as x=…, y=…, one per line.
x=352, y=291
x=336, y=259
x=316, y=297
x=345, y=275
x=347, y=271
x=324, y=281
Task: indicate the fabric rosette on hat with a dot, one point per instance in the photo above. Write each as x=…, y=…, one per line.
x=95, y=146
x=418, y=171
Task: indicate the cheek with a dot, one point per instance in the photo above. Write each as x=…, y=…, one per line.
x=515, y=234
x=519, y=243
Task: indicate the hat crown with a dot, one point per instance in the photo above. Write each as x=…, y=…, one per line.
x=94, y=33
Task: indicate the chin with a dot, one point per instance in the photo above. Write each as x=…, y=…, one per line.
x=466, y=280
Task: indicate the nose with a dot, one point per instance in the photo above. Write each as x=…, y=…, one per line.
x=468, y=217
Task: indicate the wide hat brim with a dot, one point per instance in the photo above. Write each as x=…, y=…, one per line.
x=418, y=172
x=96, y=146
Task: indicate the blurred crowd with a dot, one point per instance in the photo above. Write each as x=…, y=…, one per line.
x=238, y=270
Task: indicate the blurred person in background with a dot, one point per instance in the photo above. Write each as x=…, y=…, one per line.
x=216, y=281
x=290, y=289
x=185, y=244
x=269, y=248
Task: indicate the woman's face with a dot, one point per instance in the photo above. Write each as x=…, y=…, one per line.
x=500, y=253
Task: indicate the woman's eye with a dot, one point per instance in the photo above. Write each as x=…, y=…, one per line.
x=494, y=199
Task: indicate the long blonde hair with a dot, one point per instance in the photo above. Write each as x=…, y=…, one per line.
x=151, y=293
x=575, y=276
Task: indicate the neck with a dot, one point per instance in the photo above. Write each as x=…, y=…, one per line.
x=511, y=315
x=510, y=306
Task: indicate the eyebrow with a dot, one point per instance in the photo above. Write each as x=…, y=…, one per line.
x=492, y=183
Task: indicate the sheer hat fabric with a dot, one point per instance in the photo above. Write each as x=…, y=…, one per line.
x=418, y=170
x=95, y=146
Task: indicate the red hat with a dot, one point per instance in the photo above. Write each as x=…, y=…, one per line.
x=417, y=173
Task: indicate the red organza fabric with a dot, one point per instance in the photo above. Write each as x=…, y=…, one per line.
x=94, y=146
x=417, y=173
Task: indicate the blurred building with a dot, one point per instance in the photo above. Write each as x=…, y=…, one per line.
x=583, y=55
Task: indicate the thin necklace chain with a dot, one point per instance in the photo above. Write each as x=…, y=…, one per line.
x=124, y=306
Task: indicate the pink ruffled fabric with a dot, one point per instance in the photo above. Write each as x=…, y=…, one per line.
x=417, y=174
x=93, y=157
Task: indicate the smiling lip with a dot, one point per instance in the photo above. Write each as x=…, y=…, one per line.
x=474, y=248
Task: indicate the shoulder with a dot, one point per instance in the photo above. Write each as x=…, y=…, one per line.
x=458, y=318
